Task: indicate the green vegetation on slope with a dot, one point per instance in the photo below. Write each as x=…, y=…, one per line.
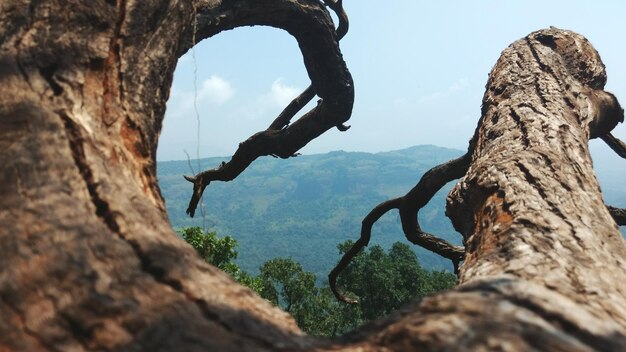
x=302, y=207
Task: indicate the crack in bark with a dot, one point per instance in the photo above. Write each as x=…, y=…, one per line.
x=570, y=105
x=553, y=318
x=545, y=68
x=47, y=73
x=531, y=107
x=75, y=140
x=211, y=316
x=116, y=45
x=554, y=171
x=104, y=212
x=533, y=181
x=160, y=275
x=522, y=127
x=113, y=76
x=540, y=95
x=82, y=334
x=18, y=42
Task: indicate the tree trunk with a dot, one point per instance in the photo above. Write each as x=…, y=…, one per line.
x=90, y=262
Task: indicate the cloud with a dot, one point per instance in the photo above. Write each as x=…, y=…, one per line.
x=281, y=94
x=456, y=87
x=213, y=91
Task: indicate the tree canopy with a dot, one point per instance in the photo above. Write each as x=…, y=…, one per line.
x=386, y=281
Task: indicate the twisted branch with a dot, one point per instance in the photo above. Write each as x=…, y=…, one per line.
x=409, y=206
x=307, y=95
x=344, y=24
x=318, y=39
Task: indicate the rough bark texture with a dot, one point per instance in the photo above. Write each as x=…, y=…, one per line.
x=536, y=229
x=544, y=261
x=88, y=259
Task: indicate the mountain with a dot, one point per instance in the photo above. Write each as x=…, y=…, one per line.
x=303, y=207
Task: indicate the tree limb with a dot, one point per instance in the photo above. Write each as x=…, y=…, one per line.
x=305, y=97
x=344, y=23
x=311, y=25
x=284, y=118
x=617, y=145
x=366, y=233
x=618, y=214
x=409, y=206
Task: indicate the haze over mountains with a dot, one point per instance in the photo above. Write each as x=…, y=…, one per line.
x=303, y=207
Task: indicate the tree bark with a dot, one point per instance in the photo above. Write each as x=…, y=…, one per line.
x=88, y=257
x=89, y=260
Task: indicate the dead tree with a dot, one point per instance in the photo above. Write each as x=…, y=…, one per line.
x=89, y=261
x=544, y=261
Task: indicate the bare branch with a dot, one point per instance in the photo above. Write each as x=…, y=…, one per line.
x=409, y=206
x=292, y=109
x=617, y=145
x=366, y=233
x=314, y=30
x=618, y=214
x=307, y=95
x=344, y=24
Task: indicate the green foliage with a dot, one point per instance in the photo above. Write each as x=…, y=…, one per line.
x=316, y=310
x=284, y=281
x=383, y=281
x=302, y=207
x=220, y=252
x=287, y=285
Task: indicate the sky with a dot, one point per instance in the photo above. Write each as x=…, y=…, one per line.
x=419, y=70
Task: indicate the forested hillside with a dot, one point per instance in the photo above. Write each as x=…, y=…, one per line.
x=304, y=206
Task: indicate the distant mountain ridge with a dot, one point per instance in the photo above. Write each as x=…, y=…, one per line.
x=303, y=207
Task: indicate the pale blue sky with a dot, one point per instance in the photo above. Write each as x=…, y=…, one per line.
x=419, y=70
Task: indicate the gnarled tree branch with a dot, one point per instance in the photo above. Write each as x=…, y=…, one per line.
x=409, y=206
x=312, y=26
x=305, y=97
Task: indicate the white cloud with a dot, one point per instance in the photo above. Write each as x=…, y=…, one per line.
x=281, y=94
x=267, y=105
x=215, y=90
